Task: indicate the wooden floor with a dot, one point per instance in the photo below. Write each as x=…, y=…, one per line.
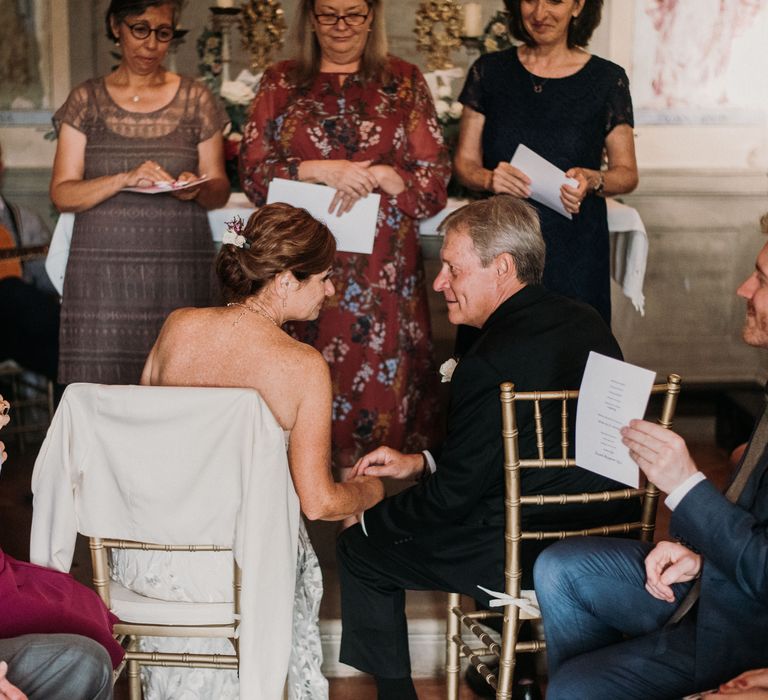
x=365, y=689
x=15, y=519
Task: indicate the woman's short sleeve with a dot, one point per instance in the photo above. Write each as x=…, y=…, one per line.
x=619, y=106
x=472, y=94
x=76, y=111
x=211, y=113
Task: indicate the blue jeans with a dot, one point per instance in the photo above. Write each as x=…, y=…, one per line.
x=605, y=633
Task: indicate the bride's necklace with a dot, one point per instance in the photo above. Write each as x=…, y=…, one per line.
x=254, y=310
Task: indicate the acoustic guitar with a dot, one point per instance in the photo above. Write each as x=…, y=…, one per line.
x=11, y=256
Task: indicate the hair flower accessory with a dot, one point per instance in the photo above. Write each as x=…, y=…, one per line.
x=234, y=233
x=447, y=369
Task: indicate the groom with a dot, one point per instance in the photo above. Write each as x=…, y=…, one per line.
x=447, y=531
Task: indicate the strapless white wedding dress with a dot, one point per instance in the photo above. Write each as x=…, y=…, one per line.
x=203, y=577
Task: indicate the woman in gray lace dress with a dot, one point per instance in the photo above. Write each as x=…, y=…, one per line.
x=134, y=257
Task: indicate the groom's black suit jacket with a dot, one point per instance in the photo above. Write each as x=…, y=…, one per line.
x=539, y=341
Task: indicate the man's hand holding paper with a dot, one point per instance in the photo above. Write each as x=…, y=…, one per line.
x=660, y=453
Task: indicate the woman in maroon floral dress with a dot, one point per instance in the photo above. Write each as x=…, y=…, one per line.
x=348, y=115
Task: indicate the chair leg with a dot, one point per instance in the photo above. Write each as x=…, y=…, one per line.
x=134, y=680
x=452, y=659
x=509, y=637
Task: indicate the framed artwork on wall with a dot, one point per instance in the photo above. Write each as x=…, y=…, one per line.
x=700, y=62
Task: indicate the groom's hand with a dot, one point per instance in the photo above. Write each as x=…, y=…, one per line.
x=384, y=461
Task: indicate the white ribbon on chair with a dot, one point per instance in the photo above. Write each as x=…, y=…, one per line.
x=527, y=605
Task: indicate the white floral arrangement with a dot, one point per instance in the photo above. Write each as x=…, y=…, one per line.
x=236, y=95
x=242, y=89
x=447, y=369
x=440, y=84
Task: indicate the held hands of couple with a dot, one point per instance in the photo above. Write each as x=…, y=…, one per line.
x=385, y=461
x=669, y=563
x=660, y=453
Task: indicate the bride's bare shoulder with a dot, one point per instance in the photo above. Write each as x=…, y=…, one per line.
x=186, y=323
x=305, y=355
x=189, y=316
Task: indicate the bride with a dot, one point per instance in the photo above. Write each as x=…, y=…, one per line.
x=275, y=269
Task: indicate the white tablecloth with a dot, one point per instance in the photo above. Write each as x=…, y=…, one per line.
x=629, y=241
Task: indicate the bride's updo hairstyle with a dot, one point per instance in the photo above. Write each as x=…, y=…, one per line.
x=278, y=237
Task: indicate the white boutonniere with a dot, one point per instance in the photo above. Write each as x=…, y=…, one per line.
x=447, y=369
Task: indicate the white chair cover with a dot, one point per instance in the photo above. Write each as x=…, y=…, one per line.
x=179, y=465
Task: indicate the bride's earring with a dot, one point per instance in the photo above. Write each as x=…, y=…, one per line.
x=285, y=298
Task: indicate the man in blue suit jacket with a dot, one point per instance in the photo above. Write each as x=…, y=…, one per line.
x=596, y=593
x=447, y=531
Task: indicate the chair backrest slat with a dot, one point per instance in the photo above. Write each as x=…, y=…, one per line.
x=539, y=428
x=564, y=429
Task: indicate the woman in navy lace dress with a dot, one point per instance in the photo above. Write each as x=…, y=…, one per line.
x=569, y=107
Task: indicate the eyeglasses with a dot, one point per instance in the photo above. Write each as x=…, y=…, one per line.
x=141, y=30
x=354, y=20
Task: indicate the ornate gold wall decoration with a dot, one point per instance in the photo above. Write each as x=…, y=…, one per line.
x=262, y=28
x=438, y=31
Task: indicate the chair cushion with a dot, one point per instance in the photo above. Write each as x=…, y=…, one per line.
x=132, y=607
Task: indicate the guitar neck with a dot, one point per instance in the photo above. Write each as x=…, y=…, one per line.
x=23, y=254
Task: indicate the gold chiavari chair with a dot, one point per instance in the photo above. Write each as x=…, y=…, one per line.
x=522, y=605
x=146, y=617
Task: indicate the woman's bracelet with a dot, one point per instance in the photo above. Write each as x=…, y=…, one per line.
x=600, y=186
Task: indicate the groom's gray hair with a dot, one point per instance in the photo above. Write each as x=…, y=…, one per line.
x=502, y=224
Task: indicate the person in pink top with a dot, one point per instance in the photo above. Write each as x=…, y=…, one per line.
x=55, y=634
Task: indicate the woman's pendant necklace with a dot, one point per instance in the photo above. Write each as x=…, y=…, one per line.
x=538, y=87
x=135, y=99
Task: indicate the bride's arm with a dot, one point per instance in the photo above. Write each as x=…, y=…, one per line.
x=146, y=373
x=310, y=453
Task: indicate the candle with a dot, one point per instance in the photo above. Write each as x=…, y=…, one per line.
x=225, y=3
x=473, y=19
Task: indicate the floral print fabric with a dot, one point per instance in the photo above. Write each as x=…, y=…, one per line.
x=375, y=332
